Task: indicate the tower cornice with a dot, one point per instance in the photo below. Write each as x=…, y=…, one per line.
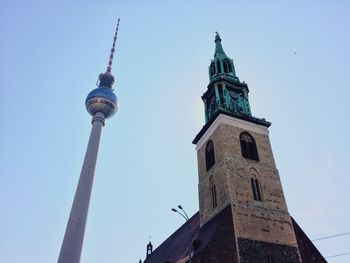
x=222, y=117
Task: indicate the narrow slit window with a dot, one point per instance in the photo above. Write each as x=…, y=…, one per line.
x=225, y=67
x=213, y=197
x=258, y=189
x=209, y=155
x=218, y=65
x=215, y=200
x=212, y=69
x=221, y=95
x=254, y=189
x=229, y=68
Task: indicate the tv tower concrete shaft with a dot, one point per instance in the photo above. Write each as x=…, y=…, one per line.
x=74, y=235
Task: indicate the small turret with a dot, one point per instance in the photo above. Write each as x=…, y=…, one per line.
x=149, y=249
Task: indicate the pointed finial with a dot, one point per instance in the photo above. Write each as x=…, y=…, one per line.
x=217, y=37
x=109, y=67
x=218, y=47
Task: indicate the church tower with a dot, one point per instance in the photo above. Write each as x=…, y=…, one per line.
x=243, y=215
x=236, y=169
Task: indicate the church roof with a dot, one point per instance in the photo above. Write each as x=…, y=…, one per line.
x=307, y=249
x=199, y=240
x=177, y=247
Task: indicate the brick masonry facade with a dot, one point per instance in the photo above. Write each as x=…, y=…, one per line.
x=261, y=221
x=239, y=229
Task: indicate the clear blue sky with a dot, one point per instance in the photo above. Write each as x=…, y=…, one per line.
x=294, y=56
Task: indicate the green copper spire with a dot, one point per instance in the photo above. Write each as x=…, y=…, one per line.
x=221, y=66
x=225, y=92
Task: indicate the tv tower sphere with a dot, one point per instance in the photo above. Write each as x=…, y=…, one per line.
x=102, y=99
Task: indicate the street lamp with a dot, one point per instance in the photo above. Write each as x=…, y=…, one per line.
x=185, y=216
x=179, y=206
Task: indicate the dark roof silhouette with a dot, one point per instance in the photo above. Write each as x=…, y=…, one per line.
x=216, y=240
x=177, y=247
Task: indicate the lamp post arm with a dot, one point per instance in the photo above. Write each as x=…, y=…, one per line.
x=186, y=219
x=183, y=210
x=185, y=216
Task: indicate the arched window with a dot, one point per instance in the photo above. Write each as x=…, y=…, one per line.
x=218, y=65
x=209, y=155
x=213, y=195
x=225, y=67
x=256, y=188
x=229, y=68
x=212, y=69
x=248, y=146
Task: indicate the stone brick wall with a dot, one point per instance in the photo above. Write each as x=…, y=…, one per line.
x=231, y=173
x=253, y=251
x=267, y=220
x=259, y=223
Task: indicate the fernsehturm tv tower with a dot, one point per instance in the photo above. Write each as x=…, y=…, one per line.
x=101, y=103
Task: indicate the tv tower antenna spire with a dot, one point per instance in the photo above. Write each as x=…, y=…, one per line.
x=109, y=67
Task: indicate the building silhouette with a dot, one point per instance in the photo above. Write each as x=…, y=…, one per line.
x=243, y=215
